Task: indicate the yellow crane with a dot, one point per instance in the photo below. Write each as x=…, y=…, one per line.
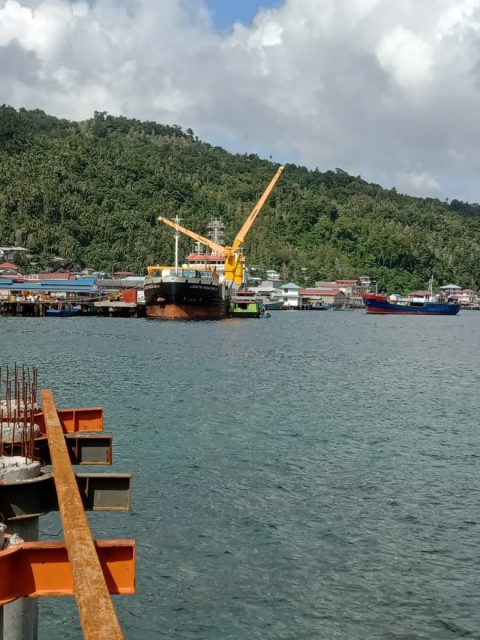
x=234, y=258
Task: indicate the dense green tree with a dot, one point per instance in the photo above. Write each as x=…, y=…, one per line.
x=91, y=192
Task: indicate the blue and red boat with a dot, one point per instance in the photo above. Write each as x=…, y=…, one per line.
x=380, y=304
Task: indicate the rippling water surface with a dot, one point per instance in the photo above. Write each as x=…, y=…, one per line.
x=313, y=475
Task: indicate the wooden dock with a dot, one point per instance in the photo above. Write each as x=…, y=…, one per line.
x=119, y=308
x=38, y=308
x=106, y=308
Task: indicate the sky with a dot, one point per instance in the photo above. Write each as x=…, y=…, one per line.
x=386, y=90
x=226, y=12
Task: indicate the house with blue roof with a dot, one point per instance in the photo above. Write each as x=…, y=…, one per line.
x=48, y=289
x=450, y=290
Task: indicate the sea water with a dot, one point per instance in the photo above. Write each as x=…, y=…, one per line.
x=311, y=475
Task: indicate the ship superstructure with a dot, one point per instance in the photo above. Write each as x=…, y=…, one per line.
x=201, y=256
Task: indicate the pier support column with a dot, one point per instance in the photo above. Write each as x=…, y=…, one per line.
x=20, y=618
x=2, y=540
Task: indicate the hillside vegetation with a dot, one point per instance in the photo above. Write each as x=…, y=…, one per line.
x=90, y=192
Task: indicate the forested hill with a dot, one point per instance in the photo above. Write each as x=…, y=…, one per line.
x=90, y=192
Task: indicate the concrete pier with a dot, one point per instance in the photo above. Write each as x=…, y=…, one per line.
x=120, y=309
x=20, y=618
x=109, y=309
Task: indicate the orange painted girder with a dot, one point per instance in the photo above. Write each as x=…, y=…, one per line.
x=35, y=569
x=75, y=420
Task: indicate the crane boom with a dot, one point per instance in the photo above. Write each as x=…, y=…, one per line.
x=234, y=259
x=217, y=248
x=255, y=211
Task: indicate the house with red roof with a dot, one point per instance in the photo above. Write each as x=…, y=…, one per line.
x=10, y=270
x=353, y=289
x=8, y=265
x=332, y=297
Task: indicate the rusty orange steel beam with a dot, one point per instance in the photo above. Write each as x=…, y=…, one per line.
x=35, y=569
x=75, y=420
x=97, y=614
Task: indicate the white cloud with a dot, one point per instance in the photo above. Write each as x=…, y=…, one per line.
x=373, y=86
x=407, y=56
x=44, y=30
x=418, y=182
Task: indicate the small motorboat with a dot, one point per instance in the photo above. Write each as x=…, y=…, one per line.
x=64, y=311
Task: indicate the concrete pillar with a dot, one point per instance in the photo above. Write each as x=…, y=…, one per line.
x=20, y=618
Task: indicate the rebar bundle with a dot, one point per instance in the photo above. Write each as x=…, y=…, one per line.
x=18, y=403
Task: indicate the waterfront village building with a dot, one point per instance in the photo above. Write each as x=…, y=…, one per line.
x=290, y=296
x=293, y=297
x=51, y=289
x=54, y=275
x=353, y=289
x=450, y=290
x=273, y=275
x=10, y=270
x=268, y=287
x=8, y=253
x=467, y=298
x=332, y=297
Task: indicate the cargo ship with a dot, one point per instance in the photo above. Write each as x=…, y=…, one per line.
x=185, y=294
x=189, y=292
x=194, y=292
x=381, y=304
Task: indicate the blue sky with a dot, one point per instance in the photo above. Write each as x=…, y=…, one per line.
x=227, y=12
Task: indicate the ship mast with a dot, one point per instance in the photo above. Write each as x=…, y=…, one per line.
x=177, y=237
x=215, y=231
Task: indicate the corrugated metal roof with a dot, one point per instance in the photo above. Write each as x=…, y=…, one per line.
x=90, y=280
x=54, y=275
x=67, y=286
x=320, y=292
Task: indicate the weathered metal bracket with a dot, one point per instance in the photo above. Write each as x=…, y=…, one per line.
x=105, y=491
x=34, y=497
x=75, y=420
x=82, y=449
x=88, y=449
x=35, y=569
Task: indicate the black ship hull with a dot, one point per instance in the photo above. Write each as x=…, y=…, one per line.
x=179, y=299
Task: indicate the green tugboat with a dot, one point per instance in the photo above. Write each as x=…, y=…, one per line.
x=244, y=305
